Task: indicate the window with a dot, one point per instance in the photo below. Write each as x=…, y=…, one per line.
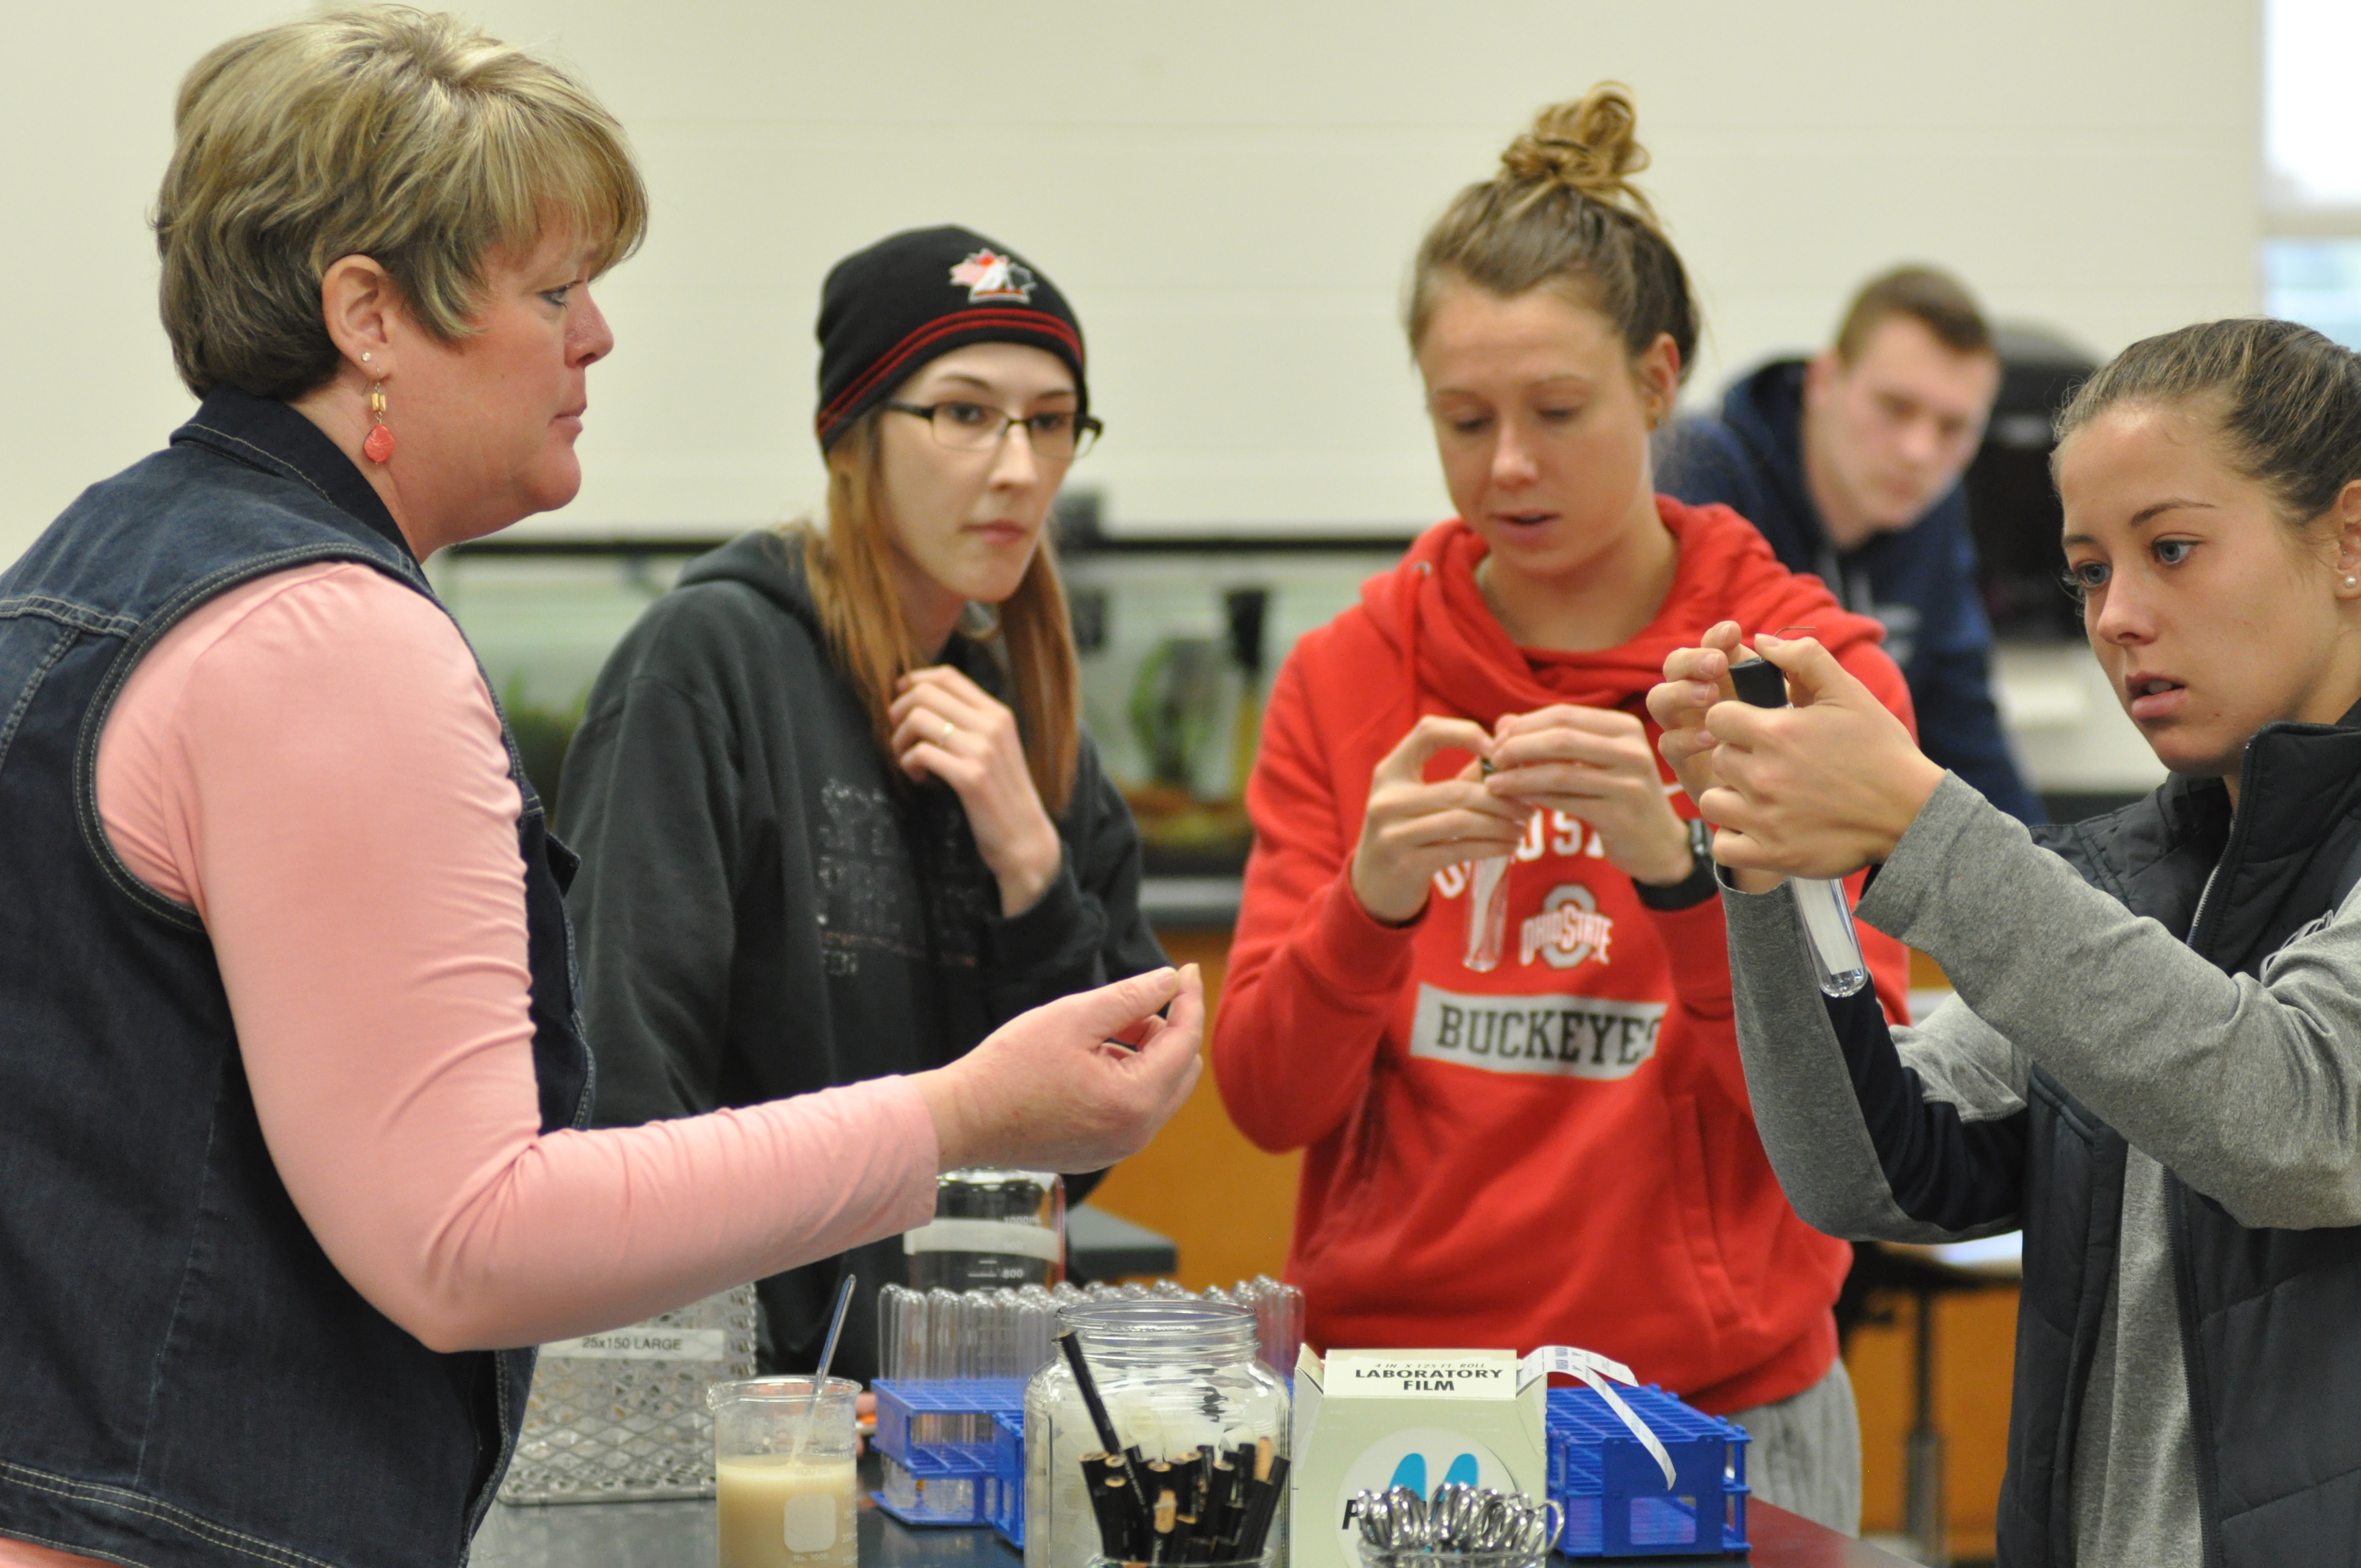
x=2312, y=170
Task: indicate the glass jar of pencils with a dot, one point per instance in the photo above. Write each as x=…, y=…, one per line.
x=1196, y=1472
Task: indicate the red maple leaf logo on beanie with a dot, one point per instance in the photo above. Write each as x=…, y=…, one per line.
x=988, y=275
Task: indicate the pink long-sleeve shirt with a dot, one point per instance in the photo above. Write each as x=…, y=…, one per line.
x=313, y=764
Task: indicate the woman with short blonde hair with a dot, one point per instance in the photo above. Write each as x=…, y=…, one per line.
x=841, y=814
x=293, y=1167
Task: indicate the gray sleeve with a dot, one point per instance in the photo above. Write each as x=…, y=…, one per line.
x=1808, y=1093
x=2248, y=1090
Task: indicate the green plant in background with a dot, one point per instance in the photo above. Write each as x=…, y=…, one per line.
x=1173, y=700
x=543, y=736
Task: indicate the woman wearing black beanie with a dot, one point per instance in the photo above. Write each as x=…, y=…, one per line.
x=838, y=814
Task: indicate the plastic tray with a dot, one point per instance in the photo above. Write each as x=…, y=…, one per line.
x=1615, y=1502
x=1007, y=1505
x=947, y=1482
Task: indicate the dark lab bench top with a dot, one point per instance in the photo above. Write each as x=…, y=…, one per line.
x=680, y=1535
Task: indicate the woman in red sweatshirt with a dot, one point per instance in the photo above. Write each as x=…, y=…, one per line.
x=1528, y=1125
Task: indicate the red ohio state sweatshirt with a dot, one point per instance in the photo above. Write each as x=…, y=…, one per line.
x=1558, y=1150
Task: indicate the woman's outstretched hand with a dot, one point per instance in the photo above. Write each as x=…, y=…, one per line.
x=1819, y=789
x=947, y=727
x=1076, y=1084
x=1412, y=830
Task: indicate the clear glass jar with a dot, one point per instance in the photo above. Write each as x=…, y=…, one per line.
x=1175, y=1376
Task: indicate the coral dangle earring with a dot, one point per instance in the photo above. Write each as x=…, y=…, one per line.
x=378, y=447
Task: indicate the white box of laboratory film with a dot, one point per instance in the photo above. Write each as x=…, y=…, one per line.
x=1367, y=1420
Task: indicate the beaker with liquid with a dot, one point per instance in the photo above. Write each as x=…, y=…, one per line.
x=784, y=1471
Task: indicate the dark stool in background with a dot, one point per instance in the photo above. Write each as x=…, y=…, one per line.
x=1101, y=1247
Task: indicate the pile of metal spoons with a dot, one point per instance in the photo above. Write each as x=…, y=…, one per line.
x=1458, y=1521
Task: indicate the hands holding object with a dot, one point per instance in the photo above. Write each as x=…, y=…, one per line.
x=1590, y=763
x=1413, y=828
x=1812, y=791
x=947, y=727
x=1594, y=763
x=1820, y=789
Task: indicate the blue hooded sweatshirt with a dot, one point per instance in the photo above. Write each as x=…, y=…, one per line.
x=1919, y=581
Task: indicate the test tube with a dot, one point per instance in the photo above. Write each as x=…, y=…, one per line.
x=900, y=1312
x=977, y=1310
x=943, y=1315
x=941, y=1359
x=1488, y=912
x=1040, y=1329
x=1820, y=904
x=1011, y=1336
x=1279, y=1322
x=1287, y=1339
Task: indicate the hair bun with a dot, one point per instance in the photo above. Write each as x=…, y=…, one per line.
x=1587, y=147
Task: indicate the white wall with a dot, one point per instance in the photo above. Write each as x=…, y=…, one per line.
x=86, y=383
x=1229, y=192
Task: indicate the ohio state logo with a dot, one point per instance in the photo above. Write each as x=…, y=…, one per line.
x=1568, y=931
x=988, y=275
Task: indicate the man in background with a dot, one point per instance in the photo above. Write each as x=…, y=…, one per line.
x=1850, y=462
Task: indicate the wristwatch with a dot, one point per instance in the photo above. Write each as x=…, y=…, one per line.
x=1697, y=886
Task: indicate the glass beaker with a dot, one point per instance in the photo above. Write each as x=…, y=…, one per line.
x=1176, y=1376
x=991, y=1229
x=783, y=1463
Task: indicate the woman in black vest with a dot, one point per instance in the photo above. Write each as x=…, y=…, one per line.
x=293, y=1166
x=2153, y=1063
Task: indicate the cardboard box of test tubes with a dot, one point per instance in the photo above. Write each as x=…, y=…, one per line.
x=1367, y=1420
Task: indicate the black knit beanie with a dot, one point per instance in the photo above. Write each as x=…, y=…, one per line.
x=914, y=297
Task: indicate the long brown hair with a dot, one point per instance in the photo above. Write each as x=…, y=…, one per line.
x=1562, y=212
x=849, y=565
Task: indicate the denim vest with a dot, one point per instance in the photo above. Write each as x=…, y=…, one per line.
x=184, y=1376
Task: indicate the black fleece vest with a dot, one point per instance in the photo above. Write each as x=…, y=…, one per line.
x=2270, y=1319
x=185, y=1378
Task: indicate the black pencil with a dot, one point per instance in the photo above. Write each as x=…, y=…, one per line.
x=1274, y=1491
x=1222, y=1505
x=1128, y=1542
x=1089, y=1388
x=1168, y=1509
x=1107, y=1505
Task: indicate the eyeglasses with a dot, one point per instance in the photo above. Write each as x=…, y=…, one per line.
x=963, y=426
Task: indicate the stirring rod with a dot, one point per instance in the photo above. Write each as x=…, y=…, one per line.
x=819, y=1379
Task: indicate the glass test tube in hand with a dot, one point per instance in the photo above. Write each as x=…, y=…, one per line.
x=1820, y=904
x=1488, y=912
